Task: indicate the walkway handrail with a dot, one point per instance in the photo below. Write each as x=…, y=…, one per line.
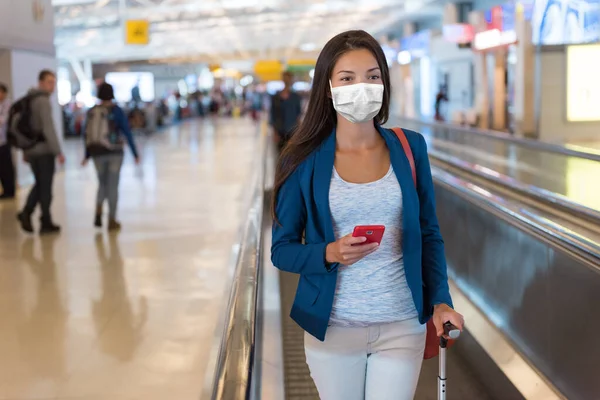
x=567, y=150
x=234, y=365
x=586, y=248
x=540, y=194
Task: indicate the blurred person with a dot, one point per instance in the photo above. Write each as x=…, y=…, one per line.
x=200, y=105
x=286, y=108
x=135, y=94
x=106, y=126
x=41, y=157
x=7, y=166
x=363, y=306
x=256, y=104
x=439, y=99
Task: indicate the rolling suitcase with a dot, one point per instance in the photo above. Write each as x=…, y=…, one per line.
x=453, y=333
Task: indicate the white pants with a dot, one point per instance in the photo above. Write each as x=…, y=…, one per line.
x=376, y=363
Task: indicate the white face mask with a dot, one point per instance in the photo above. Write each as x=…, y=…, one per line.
x=357, y=103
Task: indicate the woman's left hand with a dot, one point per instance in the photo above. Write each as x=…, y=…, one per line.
x=443, y=313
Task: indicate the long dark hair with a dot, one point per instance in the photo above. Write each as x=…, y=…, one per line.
x=320, y=116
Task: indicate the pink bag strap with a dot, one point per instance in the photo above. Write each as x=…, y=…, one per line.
x=408, y=151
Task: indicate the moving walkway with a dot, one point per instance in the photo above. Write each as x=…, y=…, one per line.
x=525, y=271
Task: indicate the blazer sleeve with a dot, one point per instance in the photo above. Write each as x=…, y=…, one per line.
x=435, y=274
x=288, y=253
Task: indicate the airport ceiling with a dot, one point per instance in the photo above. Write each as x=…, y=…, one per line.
x=217, y=30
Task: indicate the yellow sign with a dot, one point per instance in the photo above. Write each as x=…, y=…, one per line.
x=137, y=32
x=306, y=62
x=268, y=70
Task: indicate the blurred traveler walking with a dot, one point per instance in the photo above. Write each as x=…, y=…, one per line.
x=37, y=110
x=286, y=108
x=439, y=99
x=7, y=166
x=105, y=127
x=362, y=305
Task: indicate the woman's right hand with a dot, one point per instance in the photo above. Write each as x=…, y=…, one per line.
x=349, y=250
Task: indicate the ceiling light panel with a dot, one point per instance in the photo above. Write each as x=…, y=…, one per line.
x=213, y=28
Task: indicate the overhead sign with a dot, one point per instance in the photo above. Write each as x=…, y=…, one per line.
x=494, y=39
x=268, y=70
x=137, y=32
x=458, y=33
x=566, y=22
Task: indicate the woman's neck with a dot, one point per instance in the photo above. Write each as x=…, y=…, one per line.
x=351, y=136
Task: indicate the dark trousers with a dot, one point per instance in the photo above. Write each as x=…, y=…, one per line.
x=7, y=171
x=284, y=138
x=43, y=170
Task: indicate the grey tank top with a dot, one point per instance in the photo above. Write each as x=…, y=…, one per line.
x=374, y=290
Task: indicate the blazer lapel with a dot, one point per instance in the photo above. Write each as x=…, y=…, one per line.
x=322, y=172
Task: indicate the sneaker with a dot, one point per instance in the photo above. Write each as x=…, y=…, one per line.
x=98, y=217
x=48, y=228
x=113, y=225
x=25, y=220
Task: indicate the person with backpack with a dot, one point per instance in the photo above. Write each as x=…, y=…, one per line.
x=364, y=304
x=105, y=128
x=7, y=166
x=31, y=128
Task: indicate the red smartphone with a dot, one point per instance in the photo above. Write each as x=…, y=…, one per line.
x=373, y=233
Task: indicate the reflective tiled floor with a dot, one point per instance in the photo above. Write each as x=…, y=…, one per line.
x=127, y=316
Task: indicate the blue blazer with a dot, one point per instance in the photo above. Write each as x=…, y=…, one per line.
x=303, y=208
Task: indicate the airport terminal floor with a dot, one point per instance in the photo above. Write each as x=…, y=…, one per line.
x=129, y=315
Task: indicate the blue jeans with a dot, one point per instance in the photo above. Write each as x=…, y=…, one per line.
x=108, y=167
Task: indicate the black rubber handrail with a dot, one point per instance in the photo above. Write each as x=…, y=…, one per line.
x=586, y=248
x=540, y=194
x=566, y=150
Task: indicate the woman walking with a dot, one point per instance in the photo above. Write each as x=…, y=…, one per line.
x=106, y=127
x=363, y=306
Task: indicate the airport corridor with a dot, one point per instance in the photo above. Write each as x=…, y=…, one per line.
x=128, y=315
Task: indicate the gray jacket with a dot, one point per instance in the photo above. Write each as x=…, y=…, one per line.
x=41, y=112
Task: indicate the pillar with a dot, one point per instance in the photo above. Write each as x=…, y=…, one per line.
x=499, y=92
x=26, y=48
x=480, y=68
x=525, y=123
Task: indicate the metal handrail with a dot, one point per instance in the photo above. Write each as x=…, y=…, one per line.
x=567, y=150
x=584, y=247
x=540, y=194
x=234, y=365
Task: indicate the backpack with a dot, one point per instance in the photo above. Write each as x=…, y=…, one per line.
x=20, y=132
x=101, y=130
